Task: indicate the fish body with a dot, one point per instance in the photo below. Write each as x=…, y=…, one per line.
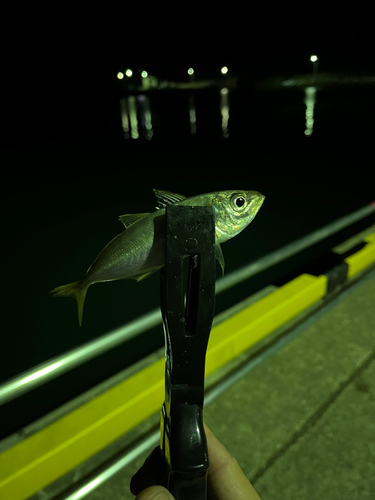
x=139, y=251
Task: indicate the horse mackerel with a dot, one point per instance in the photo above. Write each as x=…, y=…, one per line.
x=138, y=252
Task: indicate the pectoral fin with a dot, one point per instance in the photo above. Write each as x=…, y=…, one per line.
x=220, y=257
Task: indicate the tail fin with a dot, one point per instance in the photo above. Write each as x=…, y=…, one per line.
x=76, y=290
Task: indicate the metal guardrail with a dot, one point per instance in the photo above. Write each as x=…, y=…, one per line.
x=58, y=365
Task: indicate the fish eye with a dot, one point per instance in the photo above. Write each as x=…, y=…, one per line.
x=237, y=202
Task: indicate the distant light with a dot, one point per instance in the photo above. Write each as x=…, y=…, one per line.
x=120, y=75
x=224, y=70
x=190, y=71
x=288, y=83
x=313, y=58
x=144, y=74
x=128, y=72
x=224, y=91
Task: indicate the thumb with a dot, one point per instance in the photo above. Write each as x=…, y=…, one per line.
x=155, y=493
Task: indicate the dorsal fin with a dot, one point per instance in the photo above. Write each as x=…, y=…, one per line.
x=130, y=219
x=166, y=198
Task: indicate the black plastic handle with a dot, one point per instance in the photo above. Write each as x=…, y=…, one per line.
x=190, y=232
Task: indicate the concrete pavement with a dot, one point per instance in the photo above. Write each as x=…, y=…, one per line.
x=302, y=423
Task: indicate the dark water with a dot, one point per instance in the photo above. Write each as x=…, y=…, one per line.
x=62, y=199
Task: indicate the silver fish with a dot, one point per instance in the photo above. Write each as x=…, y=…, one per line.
x=138, y=252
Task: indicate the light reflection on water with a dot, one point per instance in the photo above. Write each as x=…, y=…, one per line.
x=192, y=115
x=132, y=107
x=137, y=120
x=136, y=111
x=310, y=101
x=224, y=108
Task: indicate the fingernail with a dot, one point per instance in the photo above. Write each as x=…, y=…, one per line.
x=162, y=495
x=159, y=494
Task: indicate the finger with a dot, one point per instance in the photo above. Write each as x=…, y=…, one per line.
x=149, y=474
x=155, y=493
x=225, y=476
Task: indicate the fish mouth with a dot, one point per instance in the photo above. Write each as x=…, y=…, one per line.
x=257, y=201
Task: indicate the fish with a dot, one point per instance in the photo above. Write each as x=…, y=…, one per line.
x=139, y=250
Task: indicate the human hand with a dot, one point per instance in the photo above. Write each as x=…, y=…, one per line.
x=225, y=481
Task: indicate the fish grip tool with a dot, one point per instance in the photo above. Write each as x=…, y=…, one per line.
x=190, y=231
